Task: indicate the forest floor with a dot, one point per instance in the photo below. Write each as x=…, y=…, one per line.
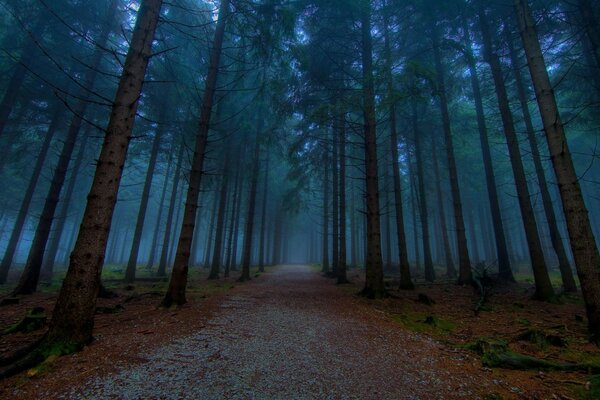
x=292, y=334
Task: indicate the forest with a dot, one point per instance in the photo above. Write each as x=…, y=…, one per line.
x=373, y=187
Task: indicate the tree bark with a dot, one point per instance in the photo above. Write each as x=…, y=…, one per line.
x=325, y=246
x=374, y=287
x=464, y=262
x=30, y=277
x=50, y=256
x=220, y=228
x=15, y=235
x=73, y=317
x=450, y=271
x=141, y=217
x=583, y=244
x=235, y=205
x=177, y=285
x=504, y=268
x=557, y=243
x=251, y=210
x=163, y=194
x=261, y=249
x=164, y=253
x=543, y=286
x=427, y=261
x=341, y=272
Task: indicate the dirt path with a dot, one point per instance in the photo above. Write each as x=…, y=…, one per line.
x=293, y=335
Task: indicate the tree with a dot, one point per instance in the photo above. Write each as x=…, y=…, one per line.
x=374, y=287
x=73, y=317
x=583, y=244
x=176, y=292
x=543, y=286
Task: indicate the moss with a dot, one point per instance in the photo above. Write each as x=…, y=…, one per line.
x=427, y=323
x=523, y=321
x=542, y=339
x=590, y=391
x=497, y=354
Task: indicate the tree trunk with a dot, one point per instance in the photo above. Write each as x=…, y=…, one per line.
x=544, y=290
x=428, y=262
x=341, y=272
x=583, y=244
x=141, y=217
x=325, y=266
x=414, y=207
x=262, y=250
x=557, y=243
x=464, y=263
x=73, y=317
x=251, y=210
x=164, y=254
x=504, y=268
x=335, y=204
x=15, y=235
x=50, y=256
x=450, y=271
x=153, y=246
x=235, y=205
x=374, y=287
x=177, y=285
x=353, y=230
x=220, y=228
x=277, y=239
x=30, y=277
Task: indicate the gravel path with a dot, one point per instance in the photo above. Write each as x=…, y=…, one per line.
x=293, y=335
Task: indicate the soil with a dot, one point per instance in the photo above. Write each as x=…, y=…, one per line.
x=291, y=333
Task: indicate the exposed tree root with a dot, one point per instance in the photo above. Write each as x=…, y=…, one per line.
x=496, y=354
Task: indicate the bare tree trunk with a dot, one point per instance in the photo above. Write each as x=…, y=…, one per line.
x=139, y=226
x=414, y=207
x=353, y=229
x=210, y=230
x=236, y=229
x=29, y=279
x=251, y=211
x=341, y=275
x=73, y=317
x=557, y=243
x=428, y=262
x=277, y=239
x=220, y=228
x=464, y=263
x=262, y=250
x=177, y=285
x=15, y=235
x=504, y=268
x=158, y=225
x=50, y=256
x=164, y=253
x=235, y=205
x=374, y=287
x=325, y=266
x=335, y=204
x=583, y=244
x=450, y=271
x=544, y=290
